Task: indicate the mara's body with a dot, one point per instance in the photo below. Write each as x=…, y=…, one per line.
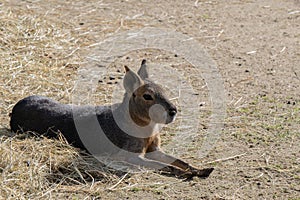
x=48, y=117
x=128, y=131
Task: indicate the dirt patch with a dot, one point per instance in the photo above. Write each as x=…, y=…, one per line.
x=256, y=47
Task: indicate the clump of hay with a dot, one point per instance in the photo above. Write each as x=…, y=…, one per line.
x=39, y=167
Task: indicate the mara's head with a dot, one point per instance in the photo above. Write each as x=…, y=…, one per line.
x=147, y=101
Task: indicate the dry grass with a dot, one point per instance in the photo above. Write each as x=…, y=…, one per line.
x=34, y=167
x=35, y=57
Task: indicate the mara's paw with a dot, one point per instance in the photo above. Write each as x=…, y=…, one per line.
x=203, y=173
x=179, y=173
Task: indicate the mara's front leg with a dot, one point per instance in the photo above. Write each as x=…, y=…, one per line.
x=160, y=156
x=140, y=160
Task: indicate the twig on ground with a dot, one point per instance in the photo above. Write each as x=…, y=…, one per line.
x=115, y=185
x=225, y=159
x=80, y=175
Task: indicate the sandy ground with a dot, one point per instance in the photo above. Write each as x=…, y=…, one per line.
x=255, y=45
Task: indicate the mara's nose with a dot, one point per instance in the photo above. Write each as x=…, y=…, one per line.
x=172, y=112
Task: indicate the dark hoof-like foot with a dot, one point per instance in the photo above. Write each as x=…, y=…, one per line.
x=204, y=173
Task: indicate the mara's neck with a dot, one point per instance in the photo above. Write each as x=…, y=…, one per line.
x=133, y=125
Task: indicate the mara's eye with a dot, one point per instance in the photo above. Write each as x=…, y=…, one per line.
x=147, y=97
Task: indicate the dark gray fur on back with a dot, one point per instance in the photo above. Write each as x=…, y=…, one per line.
x=46, y=116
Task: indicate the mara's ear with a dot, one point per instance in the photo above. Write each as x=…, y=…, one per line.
x=143, y=71
x=131, y=81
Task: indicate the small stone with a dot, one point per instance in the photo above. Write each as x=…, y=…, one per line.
x=202, y=104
